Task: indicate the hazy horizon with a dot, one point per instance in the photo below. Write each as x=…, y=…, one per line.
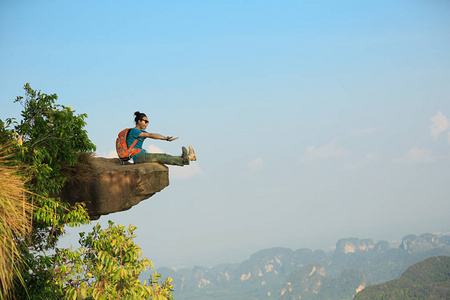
x=311, y=121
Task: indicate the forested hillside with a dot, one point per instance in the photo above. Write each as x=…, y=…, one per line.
x=428, y=279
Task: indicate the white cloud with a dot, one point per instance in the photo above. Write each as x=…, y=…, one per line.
x=417, y=155
x=110, y=154
x=185, y=172
x=440, y=123
x=154, y=149
x=330, y=151
x=372, y=157
x=420, y=155
x=255, y=165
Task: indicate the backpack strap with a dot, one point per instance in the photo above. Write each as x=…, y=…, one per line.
x=131, y=150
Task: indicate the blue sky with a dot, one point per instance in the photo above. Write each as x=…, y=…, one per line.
x=312, y=120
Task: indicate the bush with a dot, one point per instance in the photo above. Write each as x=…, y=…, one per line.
x=47, y=144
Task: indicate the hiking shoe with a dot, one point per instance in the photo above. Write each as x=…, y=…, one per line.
x=191, y=154
x=184, y=154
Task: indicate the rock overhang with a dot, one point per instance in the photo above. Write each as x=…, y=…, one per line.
x=110, y=187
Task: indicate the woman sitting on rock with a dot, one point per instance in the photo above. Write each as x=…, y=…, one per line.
x=143, y=157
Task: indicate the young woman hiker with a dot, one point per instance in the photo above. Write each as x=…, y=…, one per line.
x=143, y=157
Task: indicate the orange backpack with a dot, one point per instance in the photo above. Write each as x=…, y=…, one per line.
x=123, y=151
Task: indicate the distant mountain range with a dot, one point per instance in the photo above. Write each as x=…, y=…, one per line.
x=280, y=273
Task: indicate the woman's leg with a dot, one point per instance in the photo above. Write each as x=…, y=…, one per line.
x=161, y=158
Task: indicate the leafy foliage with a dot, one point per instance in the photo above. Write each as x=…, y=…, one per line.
x=49, y=142
x=107, y=266
x=51, y=135
x=48, y=138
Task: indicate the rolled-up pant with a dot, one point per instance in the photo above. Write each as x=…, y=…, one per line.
x=161, y=158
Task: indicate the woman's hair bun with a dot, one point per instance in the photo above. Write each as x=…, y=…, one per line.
x=139, y=116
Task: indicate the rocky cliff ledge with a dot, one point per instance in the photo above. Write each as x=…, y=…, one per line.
x=109, y=187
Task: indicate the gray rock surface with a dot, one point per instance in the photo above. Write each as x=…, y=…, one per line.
x=109, y=187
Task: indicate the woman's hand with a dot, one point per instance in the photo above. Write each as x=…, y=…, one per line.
x=171, y=138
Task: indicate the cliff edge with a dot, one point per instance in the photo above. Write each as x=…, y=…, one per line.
x=107, y=187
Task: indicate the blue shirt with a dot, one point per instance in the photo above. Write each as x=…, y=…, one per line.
x=132, y=135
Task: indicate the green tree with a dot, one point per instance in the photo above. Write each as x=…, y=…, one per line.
x=107, y=266
x=50, y=138
x=49, y=141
